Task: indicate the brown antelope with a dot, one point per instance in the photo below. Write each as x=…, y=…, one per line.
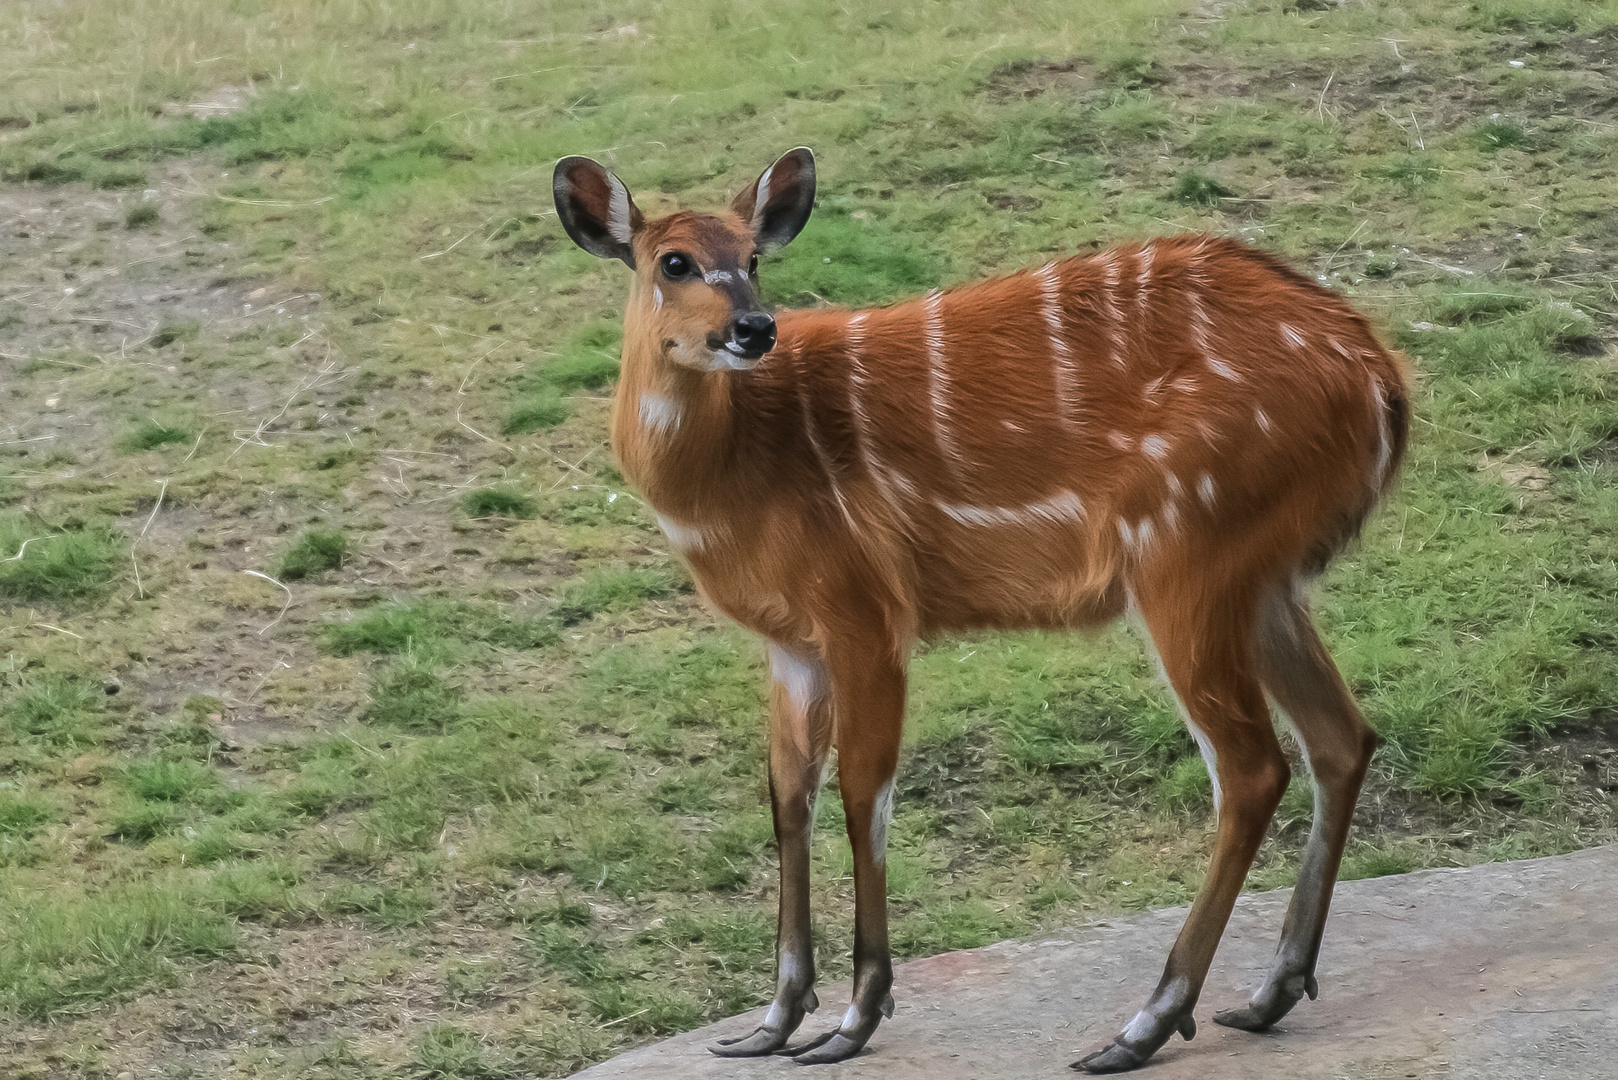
x=1184, y=430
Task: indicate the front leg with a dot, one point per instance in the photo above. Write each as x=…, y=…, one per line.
x=800, y=735
x=868, y=680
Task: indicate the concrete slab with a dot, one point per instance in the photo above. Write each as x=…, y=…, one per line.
x=1507, y=971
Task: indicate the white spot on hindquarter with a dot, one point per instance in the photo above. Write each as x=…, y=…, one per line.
x=618, y=210
x=1340, y=348
x=658, y=414
x=881, y=815
x=1171, y=517
x=1205, y=490
x=1223, y=370
x=1155, y=446
x=1121, y=441
x=1062, y=507
x=684, y=537
x=939, y=382
x=1174, y=486
x=1291, y=336
x=1262, y=419
x=1137, y=537
x=1061, y=356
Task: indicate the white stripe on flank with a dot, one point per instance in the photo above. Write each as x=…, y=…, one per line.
x=658, y=414
x=1062, y=507
x=1061, y=355
x=1109, y=294
x=684, y=537
x=934, y=307
x=890, y=483
x=826, y=464
x=1291, y=336
x=1143, y=279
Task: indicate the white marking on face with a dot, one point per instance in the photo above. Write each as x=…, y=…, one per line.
x=1060, y=508
x=1291, y=336
x=763, y=198
x=1155, y=446
x=1223, y=370
x=800, y=676
x=1262, y=419
x=1061, y=355
x=716, y=277
x=881, y=815
x=939, y=385
x=618, y=210
x=684, y=537
x=658, y=414
x=657, y=298
x=1205, y=490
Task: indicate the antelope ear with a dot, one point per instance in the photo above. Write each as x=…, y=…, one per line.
x=595, y=209
x=778, y=203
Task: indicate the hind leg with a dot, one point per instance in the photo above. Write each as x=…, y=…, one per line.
x=1206, y=657
x=1337, y=743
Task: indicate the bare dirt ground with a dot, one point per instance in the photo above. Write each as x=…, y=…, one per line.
x=1500, y=970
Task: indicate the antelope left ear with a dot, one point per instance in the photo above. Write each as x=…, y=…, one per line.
x=779, y=202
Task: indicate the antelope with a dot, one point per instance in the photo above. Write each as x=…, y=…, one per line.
x=1183, y=430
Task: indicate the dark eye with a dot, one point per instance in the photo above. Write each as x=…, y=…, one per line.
x=752, y=266
x=676, y=265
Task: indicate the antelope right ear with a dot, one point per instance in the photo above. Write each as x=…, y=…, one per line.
x=595, y=209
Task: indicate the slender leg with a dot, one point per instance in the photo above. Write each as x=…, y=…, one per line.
x=1337, y=744
x=800, y=736
x=868, y=682
x=1207, y=661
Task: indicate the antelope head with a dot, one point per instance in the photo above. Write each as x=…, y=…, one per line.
x=696, y=294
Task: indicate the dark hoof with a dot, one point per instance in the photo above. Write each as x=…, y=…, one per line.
x=1245, y=1018
x=1269, y=1005
x=838, y=1047
x=1114, y=1059
x=762, y=1041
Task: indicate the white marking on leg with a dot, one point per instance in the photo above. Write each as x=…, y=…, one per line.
x=851, y=1019
x=1061, y=356
x=1291, y=336
x=618, y=210
x=685, y=538
x=658, y=414
x=1205, y=490
x=799, y=675
x=1144, y=1024
x=1060, y=508
x=1210, y=757
x=934, y=307
x=1155, y=446
x=881, y=815
x=1262, y=419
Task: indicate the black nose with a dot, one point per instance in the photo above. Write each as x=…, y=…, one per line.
x=754, y=333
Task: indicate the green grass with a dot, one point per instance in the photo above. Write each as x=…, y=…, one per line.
x=503, y=766
x=313, y=553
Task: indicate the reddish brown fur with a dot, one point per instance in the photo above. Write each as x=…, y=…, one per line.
x=1186, y=427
